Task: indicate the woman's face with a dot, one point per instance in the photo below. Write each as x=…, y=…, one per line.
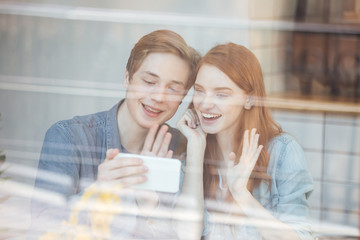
x=218, y=101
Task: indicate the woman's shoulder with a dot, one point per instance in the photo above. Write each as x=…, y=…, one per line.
x=288, y=164
x=285, y=148
x=282, y=138
x=283, y=141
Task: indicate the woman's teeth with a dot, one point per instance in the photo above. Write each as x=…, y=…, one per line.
x=208, y=115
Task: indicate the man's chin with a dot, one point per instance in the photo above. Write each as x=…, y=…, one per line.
x=149, y=124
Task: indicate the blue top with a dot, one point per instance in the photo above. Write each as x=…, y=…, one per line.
x=287, y=199
x=74, y=148
x=71, y=153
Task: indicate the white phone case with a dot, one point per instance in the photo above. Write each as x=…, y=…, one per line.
x=163, y=174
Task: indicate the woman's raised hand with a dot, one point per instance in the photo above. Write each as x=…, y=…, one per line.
x=238, y=174
x=189, y=126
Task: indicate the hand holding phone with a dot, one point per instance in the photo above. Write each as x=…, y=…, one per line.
x=131, y=170
x=163, y=173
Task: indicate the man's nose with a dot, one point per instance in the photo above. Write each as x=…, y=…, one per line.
x=158, y=94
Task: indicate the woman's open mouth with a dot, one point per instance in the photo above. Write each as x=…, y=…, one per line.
x=210, y=116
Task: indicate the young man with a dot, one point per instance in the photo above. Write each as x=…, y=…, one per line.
x=159, y=72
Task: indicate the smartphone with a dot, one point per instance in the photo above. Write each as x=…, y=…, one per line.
x=163, y=173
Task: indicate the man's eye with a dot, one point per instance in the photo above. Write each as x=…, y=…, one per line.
x=148, y=82
x=176, y=89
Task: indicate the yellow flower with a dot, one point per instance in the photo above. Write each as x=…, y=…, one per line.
x=101, y=215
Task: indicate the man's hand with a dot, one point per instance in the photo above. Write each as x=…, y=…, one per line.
x=125, y=171
x=158, y=146
x=130, y=171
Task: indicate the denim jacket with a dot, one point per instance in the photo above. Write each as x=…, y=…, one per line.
x=71, y=153
x=286, y=199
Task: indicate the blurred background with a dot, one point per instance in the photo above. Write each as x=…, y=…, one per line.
x=64, y=58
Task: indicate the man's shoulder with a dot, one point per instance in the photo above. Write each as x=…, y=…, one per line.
x=89, y=121
x=78, y=127
x=84, y=123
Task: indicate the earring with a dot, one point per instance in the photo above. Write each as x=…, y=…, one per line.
x=249, y=102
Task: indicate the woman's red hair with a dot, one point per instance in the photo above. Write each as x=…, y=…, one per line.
x=243, y=68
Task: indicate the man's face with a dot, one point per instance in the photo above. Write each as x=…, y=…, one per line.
x=156, y=89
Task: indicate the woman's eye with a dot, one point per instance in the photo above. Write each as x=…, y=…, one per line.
x=198, y=91
x=222, y=95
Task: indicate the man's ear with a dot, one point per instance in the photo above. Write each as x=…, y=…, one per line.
x=126, y=79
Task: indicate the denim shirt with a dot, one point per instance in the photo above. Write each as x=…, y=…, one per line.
x=74, y=148
x=69, y=160
x=286, y=199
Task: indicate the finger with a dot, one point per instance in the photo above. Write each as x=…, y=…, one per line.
x=252, y=135
x=111, y=153
x=127, y=172
x=169, y=154
x=193, y=118
x=165, y=145
x=232, y=156
x=254, y=143
x=132, y=180
x=119, y=173
x=189, y=119
x=245, y=143
x=196, y=117
x=232, y=159
x=256, y=156
x=159, y=139
x=120, y=163
x=182, y=121
x=149, y=140
x=185, y=121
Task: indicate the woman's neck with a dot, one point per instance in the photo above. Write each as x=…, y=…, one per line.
x=226, y=144
x=132, y=136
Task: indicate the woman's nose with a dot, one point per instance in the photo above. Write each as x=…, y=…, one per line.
x=207, y=102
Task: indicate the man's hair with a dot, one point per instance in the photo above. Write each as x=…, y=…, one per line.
x=163, y=41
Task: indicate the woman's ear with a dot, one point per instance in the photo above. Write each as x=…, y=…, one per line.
x=126, y=79
x=249, y=102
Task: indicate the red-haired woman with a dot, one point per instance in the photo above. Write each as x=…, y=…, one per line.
x=255, y=176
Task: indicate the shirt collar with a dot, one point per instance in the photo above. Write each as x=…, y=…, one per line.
x=112, y=130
